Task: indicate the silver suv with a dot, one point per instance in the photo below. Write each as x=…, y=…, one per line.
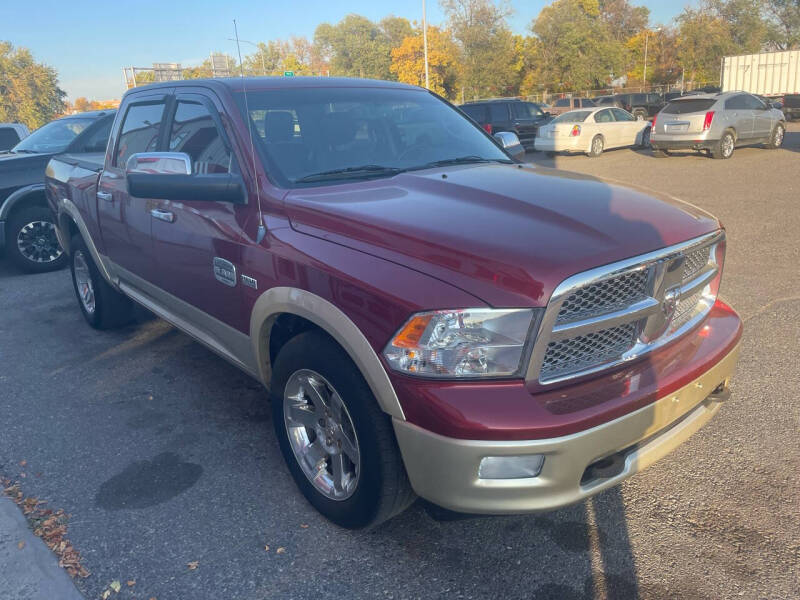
x=716, y=123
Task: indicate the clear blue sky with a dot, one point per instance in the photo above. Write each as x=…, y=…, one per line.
x=89, y=42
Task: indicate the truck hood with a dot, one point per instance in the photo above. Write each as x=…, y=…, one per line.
x=506, y=234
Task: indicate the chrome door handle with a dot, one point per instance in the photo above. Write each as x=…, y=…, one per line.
x=105, y=196
x=163, y=215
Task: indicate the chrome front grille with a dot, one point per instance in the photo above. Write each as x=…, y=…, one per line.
x=616, y=313
x=604, y=296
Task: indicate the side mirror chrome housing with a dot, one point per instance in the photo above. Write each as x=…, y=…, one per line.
x=510, y=143
x=159, y=163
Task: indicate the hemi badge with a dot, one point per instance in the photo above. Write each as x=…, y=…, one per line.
x=249, y=282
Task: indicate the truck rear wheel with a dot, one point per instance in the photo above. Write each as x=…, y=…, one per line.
x=102, y=306
x=338, y=444
x=31, y=241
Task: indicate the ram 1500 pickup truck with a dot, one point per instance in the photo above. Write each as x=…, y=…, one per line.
x=430, y=317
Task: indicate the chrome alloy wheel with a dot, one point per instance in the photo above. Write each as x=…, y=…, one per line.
x=83, y=281
x=727, y=145
x=597, y=145
x=38, y=243
x=778, y=140
x=321, y=434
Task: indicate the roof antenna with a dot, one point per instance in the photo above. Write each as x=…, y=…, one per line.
x=262, y=230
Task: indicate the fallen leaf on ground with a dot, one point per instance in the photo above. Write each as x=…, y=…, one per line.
x=115, y=585
x=266, y=548
x=304, y=525
x=106, y=594
x=21, y=544
x=23, y=462
x=280, y=550
x=193, y=565
x=131, y=582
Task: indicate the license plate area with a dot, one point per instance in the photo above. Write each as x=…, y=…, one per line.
x=676, y=127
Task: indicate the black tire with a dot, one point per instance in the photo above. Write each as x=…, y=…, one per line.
x=645, y=138
x=382, y=489
x=597, y=146
x=660, y=153
x=111, y=309
x=31, y=241
x=777, y=136
x=724, y=148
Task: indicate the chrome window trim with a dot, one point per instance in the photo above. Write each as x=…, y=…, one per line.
x=549, y=331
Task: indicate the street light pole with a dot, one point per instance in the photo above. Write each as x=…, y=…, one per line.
x=425, y=44
x=644, y=75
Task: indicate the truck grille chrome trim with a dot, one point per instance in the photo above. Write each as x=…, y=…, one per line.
x=613, y=314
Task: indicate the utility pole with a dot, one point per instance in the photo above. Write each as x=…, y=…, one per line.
x=425, y=44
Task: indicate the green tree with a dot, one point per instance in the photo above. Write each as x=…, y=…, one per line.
x=746, y=21
x=488, y=48
x=408, y=61
x=623, y=19
x=703, y=39
x=29, y=91
x=784, y=21
x=662, y=61
x=355, y=47
x=575, y=46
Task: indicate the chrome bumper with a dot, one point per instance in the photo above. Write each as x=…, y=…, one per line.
x=445, y=470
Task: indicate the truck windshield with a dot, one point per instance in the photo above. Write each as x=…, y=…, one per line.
x=327, y=135
x=53, y=137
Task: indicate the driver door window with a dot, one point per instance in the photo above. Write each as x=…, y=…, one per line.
x=194, y=132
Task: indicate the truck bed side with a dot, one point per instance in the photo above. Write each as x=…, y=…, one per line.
x=72, y=179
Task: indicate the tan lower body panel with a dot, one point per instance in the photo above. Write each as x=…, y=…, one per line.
x=445, y=470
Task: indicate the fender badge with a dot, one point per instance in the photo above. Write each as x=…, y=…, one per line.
x=225, y=271
x=249, y=282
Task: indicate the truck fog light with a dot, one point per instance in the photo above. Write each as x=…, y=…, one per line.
x=510, y=467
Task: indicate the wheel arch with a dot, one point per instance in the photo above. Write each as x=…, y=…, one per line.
x=275, y=303
x=19, y=197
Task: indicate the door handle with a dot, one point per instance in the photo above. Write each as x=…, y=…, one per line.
x=163, y=215
x=107, y=197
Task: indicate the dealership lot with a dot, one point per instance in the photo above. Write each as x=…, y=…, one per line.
x=164, y=455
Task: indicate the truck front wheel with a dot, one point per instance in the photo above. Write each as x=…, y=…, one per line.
x=339, y=446
x=31, y=240
x=102, y=306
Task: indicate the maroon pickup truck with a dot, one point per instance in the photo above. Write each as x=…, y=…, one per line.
x=430, y=317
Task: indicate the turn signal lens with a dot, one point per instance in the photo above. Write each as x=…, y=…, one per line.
x=479, y=342
x=576, y=131
x=653, y=127
x=488, y=128
x=707, y=121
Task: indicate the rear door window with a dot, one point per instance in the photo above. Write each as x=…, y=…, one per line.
x=753, y=103
x=498, y=112
x=603, y=116
x=8, y=137
x=562, y=102
x=139, y=131
x=622, y=115
x=681, y=107
x=476, y=112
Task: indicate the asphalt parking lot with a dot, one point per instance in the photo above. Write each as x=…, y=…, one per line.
x=164, y=455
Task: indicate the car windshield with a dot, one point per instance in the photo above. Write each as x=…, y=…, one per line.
x=53, y=137
x=573, y=116
x=311, y=135
x=680, y=107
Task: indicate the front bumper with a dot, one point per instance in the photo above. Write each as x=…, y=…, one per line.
x=445, y=470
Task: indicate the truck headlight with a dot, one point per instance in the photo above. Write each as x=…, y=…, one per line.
x=480, y=342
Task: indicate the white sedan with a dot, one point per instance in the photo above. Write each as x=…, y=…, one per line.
x=590, y=131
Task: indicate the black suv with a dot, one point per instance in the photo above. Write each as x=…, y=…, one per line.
x=26, y=223
x=508, y=114
x=641, y=106
x=791, y=106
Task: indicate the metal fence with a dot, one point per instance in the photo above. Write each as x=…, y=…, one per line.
x=550, y=97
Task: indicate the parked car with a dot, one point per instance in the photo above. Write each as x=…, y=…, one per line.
x=607, y=101
x=670, y=96
x=593, y=130
x=791, y=106
x=641, y=106
x=373, y=265
x=563, y=105
x=26, y=223
x=510, y=114
x=717, y=124
x=11, y=134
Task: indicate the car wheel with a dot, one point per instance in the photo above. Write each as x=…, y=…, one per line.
x=338, y=444
x=645, y=138
x=31, y=240
x=596, y=149
x=725, y=147
x=102, y=306
x=776, y=139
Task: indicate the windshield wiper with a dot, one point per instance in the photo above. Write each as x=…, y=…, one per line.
x=462, y=160
x=351, y=173
x=24, y=151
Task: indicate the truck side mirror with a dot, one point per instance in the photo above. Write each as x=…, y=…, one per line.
x=162, y=163
x=510, y=143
